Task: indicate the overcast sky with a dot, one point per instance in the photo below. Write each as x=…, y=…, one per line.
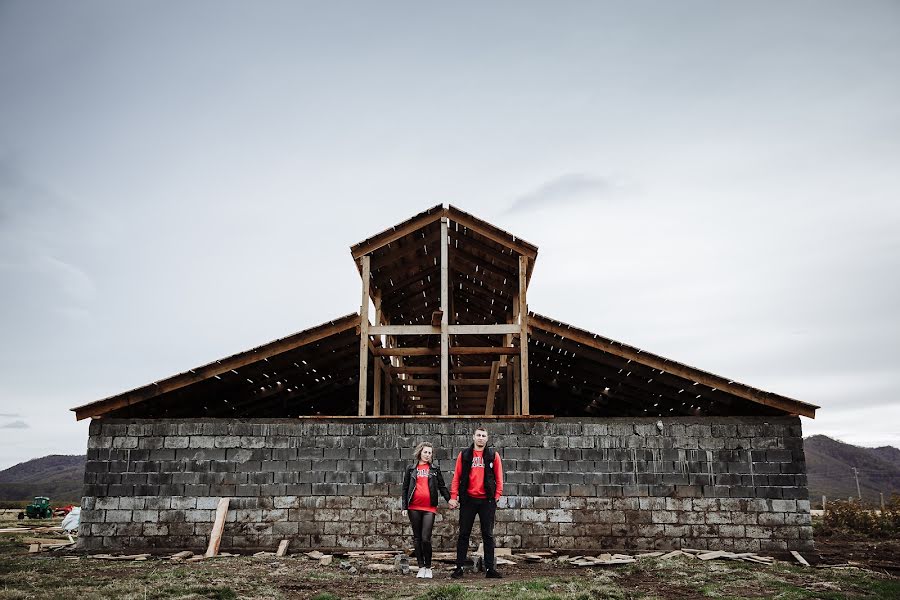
x=714, y=182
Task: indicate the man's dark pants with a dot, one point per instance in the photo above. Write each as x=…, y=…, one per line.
x=468, y=509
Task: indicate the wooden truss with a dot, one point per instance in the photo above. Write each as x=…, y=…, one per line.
x=465, y=263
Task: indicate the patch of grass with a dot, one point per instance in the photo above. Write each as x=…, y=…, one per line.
x=445, y=592
x=325, y=596
x=215, y=593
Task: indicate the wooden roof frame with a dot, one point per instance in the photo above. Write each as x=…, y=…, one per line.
x=493, y=233
x=648, y=359
x=524, y=323
x=235, y=361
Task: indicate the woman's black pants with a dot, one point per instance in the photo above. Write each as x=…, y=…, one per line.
x=422, y=521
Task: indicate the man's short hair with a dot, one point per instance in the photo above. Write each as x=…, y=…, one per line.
x=480, y=428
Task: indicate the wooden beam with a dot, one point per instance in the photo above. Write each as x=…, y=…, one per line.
x=436, y=318
x=436, y=370
x=215, y=537
x=452, y=382
x=455, y=351
x=495, y=234
x=492, y=388
x=404, y=330
x=436, y=395
x=376, y=384
x=523, y=336
x=364, y=335
x=445, y=320
x=395, y=233
x=499, y=329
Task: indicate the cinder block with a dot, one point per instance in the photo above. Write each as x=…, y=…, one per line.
x=117, y=516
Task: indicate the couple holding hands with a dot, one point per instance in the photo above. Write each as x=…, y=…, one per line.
x=476, y=487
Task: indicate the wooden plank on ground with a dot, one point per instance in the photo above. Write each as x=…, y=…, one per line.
x=282, y=548
x=799, y=558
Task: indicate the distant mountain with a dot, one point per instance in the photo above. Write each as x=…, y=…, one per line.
x=59, y=477
x=829, y=467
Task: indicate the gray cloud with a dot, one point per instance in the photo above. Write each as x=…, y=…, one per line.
x=568, y=189
x=16, y=425
x=9, y=415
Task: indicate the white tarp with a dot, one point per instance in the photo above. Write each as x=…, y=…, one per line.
x=70, y=523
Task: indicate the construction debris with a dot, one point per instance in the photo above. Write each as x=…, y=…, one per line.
x=44, y=544
x=799, y=558
x=282, y=548
x=602, y=560
x=326, y=560
x=132, y=557
x=19, y=530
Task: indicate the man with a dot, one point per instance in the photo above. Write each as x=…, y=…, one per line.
x=477, y=485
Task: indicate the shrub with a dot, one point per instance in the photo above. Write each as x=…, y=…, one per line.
x=855, y=517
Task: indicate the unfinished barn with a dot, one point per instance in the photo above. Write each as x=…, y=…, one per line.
x=605, y=446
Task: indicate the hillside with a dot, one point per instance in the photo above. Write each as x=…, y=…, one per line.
x=829, y=465
x=57, y=476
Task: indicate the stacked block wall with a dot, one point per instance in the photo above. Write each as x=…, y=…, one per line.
x=733, y=483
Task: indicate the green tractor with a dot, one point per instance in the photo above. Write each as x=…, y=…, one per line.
x=39, y=509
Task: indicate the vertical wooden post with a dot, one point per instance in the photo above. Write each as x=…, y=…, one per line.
x=516, y=379
x=823, y=502
x=445, y=321
x=492, y=388
x=364, y=336
x=394, y=361
x=379, y=365
x=523, y=336
x=515, y=399
x=386, y=397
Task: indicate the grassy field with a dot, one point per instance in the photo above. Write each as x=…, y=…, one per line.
x=49, y=576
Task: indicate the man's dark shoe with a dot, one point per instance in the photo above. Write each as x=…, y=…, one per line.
x=457, y=573
x=493, y=574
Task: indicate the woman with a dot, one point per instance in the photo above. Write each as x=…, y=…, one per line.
x=422, y=483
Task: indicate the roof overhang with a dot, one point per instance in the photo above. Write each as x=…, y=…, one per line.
x=217, y=368
x=709, y=383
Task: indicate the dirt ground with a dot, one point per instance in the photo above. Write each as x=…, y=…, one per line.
x=876, y=554
x=50, y=576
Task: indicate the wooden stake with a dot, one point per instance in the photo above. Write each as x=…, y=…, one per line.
x=364, y=337
x=215, y=538
x=445, y=321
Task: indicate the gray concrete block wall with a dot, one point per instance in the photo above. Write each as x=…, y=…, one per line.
x=733, y=483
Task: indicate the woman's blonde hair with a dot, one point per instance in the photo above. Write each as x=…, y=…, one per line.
x=418, y=452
